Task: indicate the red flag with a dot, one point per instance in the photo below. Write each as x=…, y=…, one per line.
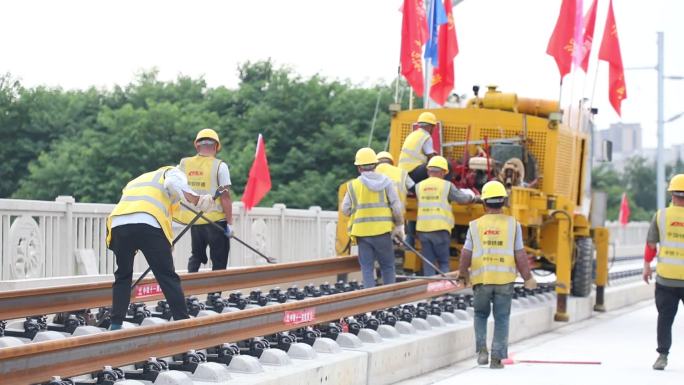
x=562, y=42
x=623, y=216
x=589, y=23
x=259, y=182
x=610, y=52
x=443, y=76
x=413, y=35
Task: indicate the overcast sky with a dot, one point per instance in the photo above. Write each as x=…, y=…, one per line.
x=76, y=44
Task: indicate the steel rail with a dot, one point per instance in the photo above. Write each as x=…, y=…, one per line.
x=38, y=362
x=49, y=300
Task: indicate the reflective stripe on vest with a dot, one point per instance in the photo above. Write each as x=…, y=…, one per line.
x=146, y=194
x=398, y=176
x=371, y=213
x=202, y=173
x=411, y=155
x=493, y=260
x=671, y=252
x=434, y=210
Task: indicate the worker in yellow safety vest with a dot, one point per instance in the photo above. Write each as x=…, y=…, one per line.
x=399, y=176
x=375, y=216
x=206, y=174
x=493, y=250
x=435, y=218
x=667, y=230
x=418, y=148
x=142, y=221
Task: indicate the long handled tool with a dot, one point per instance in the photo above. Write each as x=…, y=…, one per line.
x=201, y=215
x=440, y=272
x=198, y=215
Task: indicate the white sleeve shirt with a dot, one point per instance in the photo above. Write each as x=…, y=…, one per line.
x=223, y=175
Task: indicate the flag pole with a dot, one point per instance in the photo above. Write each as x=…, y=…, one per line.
x=396, y=85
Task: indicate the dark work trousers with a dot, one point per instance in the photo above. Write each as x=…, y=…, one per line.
x=219, y=246
x=667, y=300
x=126, y=241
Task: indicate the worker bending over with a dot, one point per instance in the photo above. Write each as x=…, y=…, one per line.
x=375, y=212
x=667, y=229
x=492, y=251
x=142, y=221
x=418, y=148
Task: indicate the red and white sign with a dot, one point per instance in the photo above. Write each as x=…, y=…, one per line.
x=440, y=286
x=299, y=316
x=147, y=290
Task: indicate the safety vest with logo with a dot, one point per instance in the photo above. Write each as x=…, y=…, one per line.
x=146, y=194
x=412, y=154
x=398, y=176
x=493, y=260
x=671, y=252
x=202, y=173
x=371, y=213
x=434, y=209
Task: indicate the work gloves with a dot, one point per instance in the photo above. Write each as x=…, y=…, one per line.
x=398, y=233
x=531, y=284
x=228, y=231
x=205, y=202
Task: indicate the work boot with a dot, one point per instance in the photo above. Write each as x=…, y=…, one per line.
x=483, y=357
x=496, y=363
x=661, y=362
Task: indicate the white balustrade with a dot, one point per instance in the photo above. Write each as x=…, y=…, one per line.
x=43, y=238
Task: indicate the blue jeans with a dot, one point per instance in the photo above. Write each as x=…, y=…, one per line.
x=435, y=247
x=411, y=233
x=500, y=296
x=376, y=248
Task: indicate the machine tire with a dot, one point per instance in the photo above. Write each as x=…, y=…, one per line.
x=582, y=269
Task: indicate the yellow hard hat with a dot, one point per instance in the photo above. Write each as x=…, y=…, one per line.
x=676, y=183
x=439, y=162
x=365, y=156
x=493, y=189
x=208, y=133
x=427, y=117
x=386, y=155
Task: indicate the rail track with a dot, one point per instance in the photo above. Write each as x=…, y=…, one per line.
x=38, y=362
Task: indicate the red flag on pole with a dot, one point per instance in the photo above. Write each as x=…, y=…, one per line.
x=588, y=38
x=413, y=35
x=610, y=52
x=259, y=182
x=623, y=216
x=561, y=44
x=443, y=76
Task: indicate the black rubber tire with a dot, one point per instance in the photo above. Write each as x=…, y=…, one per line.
x=582, y=269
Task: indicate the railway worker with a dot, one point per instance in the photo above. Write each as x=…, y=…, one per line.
x=493, y=250
x=418, y=148
x=399, y=176
x=667, y=230
x=375, y=212
x=206, y=174
x=435, y=218
x=142, y=221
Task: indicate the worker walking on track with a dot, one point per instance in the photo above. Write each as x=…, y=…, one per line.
x=206, y=175
x=142, y=221
x=375, y=212
x=493, y=249
x=399, y=176
x=435, y=218
x=418, y=148
x=667, y=230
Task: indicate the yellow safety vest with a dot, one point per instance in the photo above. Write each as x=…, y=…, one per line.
x=146, y=194
x=371, y=213
x=493, y=261
x=412, y=154
x=434, y=209
x=398, y=176
x=671, y=251
x=202, y=173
